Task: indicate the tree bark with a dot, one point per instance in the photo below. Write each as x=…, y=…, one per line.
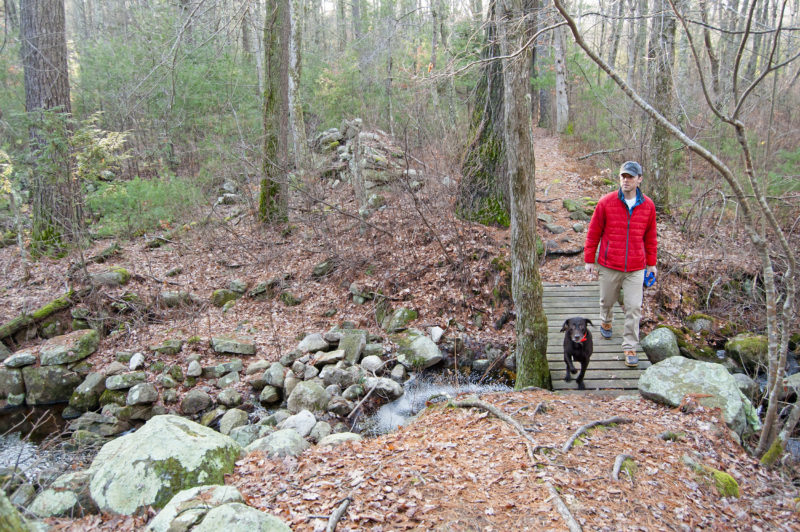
x=661, y=58
x=296, y=122
x=483, y=190
x=56, y=198
x=562, y=102
x=526, y=284
x=274, y=195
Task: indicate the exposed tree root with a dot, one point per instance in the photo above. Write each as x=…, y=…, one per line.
x=618, y=465
x=337, y=515
x=572, y=524
x=476, y=403
x=609, y=421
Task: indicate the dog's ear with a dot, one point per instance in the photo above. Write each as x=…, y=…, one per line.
x=564, y=327
x=590, y=322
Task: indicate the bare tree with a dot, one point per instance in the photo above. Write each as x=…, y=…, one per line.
x=768, y=238
x=296, y=123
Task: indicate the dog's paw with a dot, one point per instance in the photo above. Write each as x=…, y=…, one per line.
x=568, y=377
x=574, y=371
x=581, y=386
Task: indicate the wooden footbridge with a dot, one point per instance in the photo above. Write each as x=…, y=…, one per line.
x=607, y=369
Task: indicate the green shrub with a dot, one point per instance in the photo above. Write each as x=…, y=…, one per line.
x=130, y=208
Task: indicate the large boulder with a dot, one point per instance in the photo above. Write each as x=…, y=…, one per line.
x=353, y=343
x=22, y=358
x=384, y=387
x=660, y=345
x=69, y=348
x=189, y=507
x=234, y=344
x=285, y=442
x=672, y=379
x=417, y=351
x=750, y=350
x=11, y=385
x=46, y=385
x=399, y=320
x=148, y=467
x=313, y=343
x=10, y=519
x=195, y=402
x=308, y=395
x=237, y=517
x=100, y=424
x=87, y=395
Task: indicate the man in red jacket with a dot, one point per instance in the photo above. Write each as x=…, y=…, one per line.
x=624, y=227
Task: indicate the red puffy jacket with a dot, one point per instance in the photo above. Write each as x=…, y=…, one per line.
x=627, y=239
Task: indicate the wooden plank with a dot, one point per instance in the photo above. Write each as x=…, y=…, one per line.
x=558, y=364
x=600, y=373
x=591, y=385
x=558, y=349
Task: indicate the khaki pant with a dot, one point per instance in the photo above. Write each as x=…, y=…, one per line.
x=611, y=281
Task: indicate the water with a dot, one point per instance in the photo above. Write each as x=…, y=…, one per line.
x=417, y=391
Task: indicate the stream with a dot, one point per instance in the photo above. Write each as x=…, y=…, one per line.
x=417, y=390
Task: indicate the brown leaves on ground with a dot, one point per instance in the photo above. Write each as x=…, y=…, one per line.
x=462, y=469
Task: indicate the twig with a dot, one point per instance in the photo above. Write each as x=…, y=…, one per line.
x=618, y=465
x=337, y=515
x=572, y=524
x=609, y=421
x=600, y=152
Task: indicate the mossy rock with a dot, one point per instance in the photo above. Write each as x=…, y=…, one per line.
x=571, y=205
x=172, y=346
x=688, y=349
x=116, y=397
x=222, y=296
x=289, y=299
x=750, y=350
x=176, y=372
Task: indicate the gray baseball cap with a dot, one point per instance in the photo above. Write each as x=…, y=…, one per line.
x=630, y=167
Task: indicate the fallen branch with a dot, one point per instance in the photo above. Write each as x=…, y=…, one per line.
x=618, y=465
x=361, y=402
x=23, y=320
x=476, y=403
x=572, y=524
x=337, y=515
x=600, y=152
x=581, y=430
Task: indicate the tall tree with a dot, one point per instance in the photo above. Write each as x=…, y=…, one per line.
x=661, y=58
x=296, y=123
x=562, y=102
x=483, y=190
x=526, y=284
x=55, y=197
x=274, y=196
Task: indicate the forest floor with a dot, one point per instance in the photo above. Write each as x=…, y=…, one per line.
x=453, y=468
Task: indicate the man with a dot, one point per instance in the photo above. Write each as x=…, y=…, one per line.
x=624, y=226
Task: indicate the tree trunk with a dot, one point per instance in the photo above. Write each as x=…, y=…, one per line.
x=543, y=51
x=483, y=190
x=274, y=195
x=296, y=122
x=526, y=284
x=562, y=103
x=341, y=24
x=661, y=58
x=616, y=31
x=55, y=196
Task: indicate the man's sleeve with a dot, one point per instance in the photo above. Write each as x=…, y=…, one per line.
x=594, y=232
x=651, y=240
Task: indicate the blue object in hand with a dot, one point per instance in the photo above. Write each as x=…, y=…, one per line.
x=649, y=279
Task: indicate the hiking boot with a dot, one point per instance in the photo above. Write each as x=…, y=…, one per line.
x=605, y=330
x=631, y=360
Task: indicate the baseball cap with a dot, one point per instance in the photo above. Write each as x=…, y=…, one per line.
x=631, y=167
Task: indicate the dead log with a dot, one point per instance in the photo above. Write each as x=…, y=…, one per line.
x=562, y=508
x=24, y=320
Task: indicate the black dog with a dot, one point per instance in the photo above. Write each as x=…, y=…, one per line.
x=577, y=347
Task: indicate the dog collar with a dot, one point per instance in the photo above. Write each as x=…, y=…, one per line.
x=582, y=339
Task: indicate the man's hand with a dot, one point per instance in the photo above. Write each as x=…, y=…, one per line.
x=590, y=268
x=651, y=269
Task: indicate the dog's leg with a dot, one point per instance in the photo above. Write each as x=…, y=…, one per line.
x=570, y=368
x=579, y=380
